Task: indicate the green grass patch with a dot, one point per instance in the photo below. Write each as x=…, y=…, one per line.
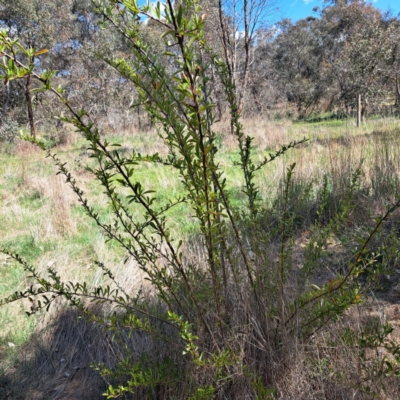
x=29, y=211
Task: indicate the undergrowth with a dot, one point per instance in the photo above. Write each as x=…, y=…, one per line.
x=228, y=312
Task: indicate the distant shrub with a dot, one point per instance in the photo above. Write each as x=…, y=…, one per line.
x=9, y=130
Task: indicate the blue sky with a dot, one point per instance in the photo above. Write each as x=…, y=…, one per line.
x=298, y=9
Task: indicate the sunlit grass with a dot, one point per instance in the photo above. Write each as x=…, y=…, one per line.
x=41, y=219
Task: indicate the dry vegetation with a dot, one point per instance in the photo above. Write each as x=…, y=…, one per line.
x=48, y=356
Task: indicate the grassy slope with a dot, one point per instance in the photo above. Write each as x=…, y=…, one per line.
x=40, y=217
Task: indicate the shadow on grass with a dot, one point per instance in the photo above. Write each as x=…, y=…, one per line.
x=55, y=363
x=381, y=137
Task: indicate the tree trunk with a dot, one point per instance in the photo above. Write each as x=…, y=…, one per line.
x=364, y=109
x=358, y=110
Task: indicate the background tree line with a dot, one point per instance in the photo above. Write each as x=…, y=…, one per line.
x=324, y=63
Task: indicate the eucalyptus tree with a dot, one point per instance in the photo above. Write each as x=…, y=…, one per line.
x=298, y=63
x=356, y=47
x=70, y=41
x=37, y=24
x=392, y=70
x=264, y=91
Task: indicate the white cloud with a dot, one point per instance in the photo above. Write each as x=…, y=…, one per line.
x=308, y=1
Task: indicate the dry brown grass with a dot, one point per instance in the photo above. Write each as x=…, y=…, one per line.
x=267, y=134
x=26, y=149
x=54, y=364
x=59, y=198
x=57, y=363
